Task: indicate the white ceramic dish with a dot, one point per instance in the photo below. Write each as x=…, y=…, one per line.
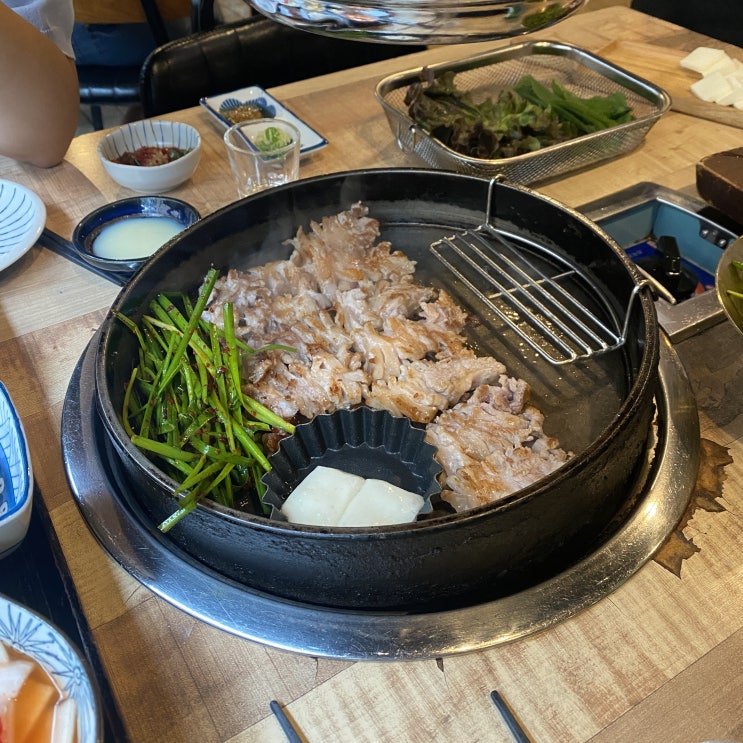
x=22, y=219
x=16, y=477
x=311, y=140
x=30, y=633
x=151, y=133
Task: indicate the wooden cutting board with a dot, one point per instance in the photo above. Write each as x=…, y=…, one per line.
x=660, y=65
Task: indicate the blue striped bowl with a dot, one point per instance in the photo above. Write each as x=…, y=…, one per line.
x=151, y=133
x=16, y=477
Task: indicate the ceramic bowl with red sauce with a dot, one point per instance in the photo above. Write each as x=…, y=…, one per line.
x=151, y=156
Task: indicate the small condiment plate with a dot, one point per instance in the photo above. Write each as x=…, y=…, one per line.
x=22, y=219
x=311, y=140
x=90, y=227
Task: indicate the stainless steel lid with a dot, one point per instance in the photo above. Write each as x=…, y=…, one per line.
x=419, y=21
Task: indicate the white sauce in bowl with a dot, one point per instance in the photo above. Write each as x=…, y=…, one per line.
x=135, y=237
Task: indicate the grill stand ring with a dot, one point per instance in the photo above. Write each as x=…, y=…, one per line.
x=379, y=635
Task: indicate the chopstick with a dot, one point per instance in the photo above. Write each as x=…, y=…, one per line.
x=292, y=734
x=59, y=245
x=519, y=734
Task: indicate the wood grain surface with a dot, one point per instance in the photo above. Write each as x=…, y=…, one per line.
x=652, y=61
x=658, y=659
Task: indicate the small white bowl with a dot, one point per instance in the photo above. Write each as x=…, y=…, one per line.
x=151, y=133
x=24, y=630
x=16, y=477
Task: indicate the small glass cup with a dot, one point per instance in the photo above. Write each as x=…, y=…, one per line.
x=263, y=153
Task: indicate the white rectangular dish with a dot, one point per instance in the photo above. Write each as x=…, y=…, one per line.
x=215, y=105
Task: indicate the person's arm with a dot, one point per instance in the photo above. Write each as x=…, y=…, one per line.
x=39, y=94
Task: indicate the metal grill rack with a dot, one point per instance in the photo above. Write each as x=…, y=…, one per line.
x=534, y=291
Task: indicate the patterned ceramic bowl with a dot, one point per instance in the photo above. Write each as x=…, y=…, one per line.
x=26, y=632
x=22, y=219
x=16, y=477
x=151, y=133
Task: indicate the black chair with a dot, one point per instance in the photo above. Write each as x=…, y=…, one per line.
x=119, y=85
x=721, y=19
x=254, y=51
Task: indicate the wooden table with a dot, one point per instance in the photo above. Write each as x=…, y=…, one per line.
x=659, y=659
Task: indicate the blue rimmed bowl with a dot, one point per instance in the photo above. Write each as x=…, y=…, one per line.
x=142, y=207
x=16, y=477
x=26, y=631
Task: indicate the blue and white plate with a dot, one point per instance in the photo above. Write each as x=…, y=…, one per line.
x=255, y=95
x=24, y=630
x=16, y=477
x=22, y=219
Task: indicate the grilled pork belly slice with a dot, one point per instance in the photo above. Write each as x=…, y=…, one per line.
x=341, y=252
x=308, y=389
x=493, y=445
x=360, y=306
x=424, y=388
x=399, y=341
x=363, y=332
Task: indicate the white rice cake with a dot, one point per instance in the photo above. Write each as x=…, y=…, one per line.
x=322, y=497
x=379, y=503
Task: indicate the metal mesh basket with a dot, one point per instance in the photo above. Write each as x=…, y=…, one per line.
x=485, y=75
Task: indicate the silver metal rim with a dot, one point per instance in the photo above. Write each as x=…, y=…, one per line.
x=378, y=635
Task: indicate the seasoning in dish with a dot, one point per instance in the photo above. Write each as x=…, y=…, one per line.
x=149, y=156
x=244, y=112
x=134, y=237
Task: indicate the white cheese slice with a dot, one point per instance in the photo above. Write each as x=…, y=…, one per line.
x=322, y=497
x=380, y=503
x=712, y=87
x=702, y=59
x=722, y=76
x=725, y=65
x=736, y=93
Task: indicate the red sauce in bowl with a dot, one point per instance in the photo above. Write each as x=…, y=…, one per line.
x=149, y=156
